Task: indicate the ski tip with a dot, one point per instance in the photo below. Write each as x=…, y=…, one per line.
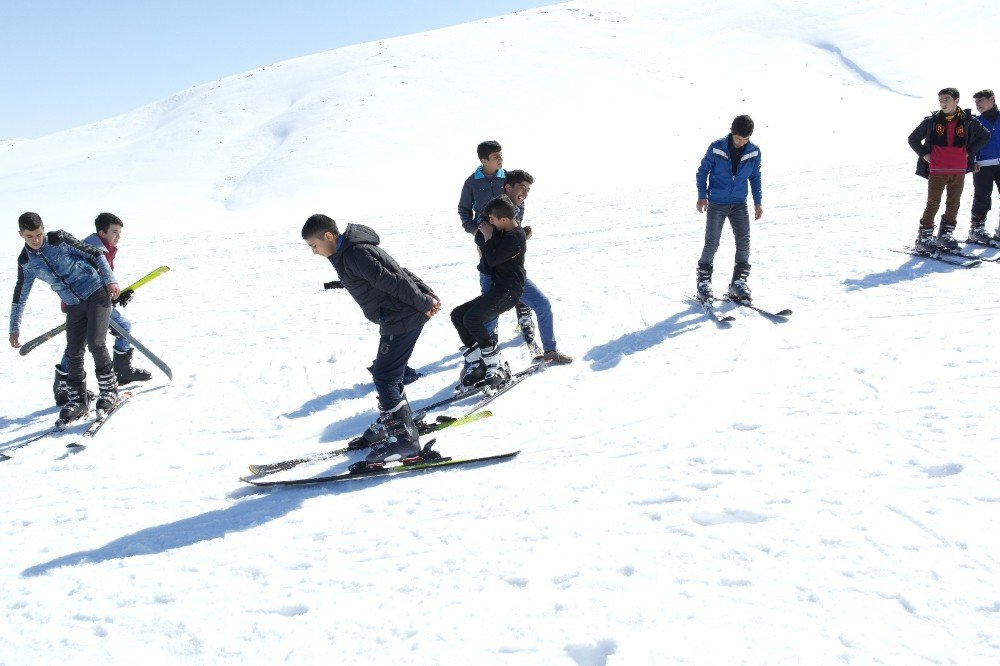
x=4, y=457
x=783, y=313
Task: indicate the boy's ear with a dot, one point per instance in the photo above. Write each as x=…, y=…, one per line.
x=329, y=236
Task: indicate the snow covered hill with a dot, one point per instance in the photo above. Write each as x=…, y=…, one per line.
x=812, y=491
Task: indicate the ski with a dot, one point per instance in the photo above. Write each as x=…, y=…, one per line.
x=462, y=394
x=781, y=314
x=710, y=310
x=154, y=359
x=515, y=379
x=990, y=243
x=966, y=255
x=424, y=463
x=57, y=428
x=48, y=335
x=946, y=258
x=358, y=444
x=102, y=418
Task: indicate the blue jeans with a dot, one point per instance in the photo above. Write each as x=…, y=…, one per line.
x=739, y=218
x=534, y=299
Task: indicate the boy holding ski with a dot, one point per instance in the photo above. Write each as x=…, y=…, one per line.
x=502, y=244
x=82, y=277
x=400, y=303
x=106, y=238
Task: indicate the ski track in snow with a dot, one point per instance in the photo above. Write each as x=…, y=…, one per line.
x=816, y=490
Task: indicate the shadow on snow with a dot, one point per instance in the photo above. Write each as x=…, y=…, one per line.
x=912, y=269
x=610, y=354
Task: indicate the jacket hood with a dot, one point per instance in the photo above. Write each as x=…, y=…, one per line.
x=357, y=234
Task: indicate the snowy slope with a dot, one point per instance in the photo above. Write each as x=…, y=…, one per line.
x=819, y=490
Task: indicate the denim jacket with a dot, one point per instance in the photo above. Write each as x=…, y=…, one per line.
x=73, y=269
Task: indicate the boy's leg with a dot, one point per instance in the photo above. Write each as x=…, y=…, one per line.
x=714, y=220
x=98, y=309
x=121, y=344
x=457, y=319
x=739, y=218
x=76, y=342
x=982, y=196
x=484, y=309
x=935, y=188
x=485, y=284
x=536, y=300
x=954, y=187
x=394, y=352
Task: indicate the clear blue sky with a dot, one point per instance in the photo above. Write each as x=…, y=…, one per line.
x=65, y=63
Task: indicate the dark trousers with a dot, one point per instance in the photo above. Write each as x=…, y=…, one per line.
x=470, y=318
x=393, y=354
x=739, y=218
x=87, y=326
x=953, y=184
x=983, y=182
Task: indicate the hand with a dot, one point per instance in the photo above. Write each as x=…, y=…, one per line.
x=486, y=229
x=927, y=157
x=758, y=212
x=435, y=307
x=14, y=342
x=975, y=169
x=113, y=290
x=527, y=232
x=125, y=297
x=336, y=284
x=702, y=205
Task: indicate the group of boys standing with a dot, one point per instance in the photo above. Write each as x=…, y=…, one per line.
x=491, y=207
x=81, y=273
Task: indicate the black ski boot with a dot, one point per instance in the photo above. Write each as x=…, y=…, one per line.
x=108, y=385
x=738, y=289
x=403, y=440
x=77, y=402
x=977, y=231
x=125, y=373
x=945, y=240
x=59, y=390
x=704, y=283
x=925, y=241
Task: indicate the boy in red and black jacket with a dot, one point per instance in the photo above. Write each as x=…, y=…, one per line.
x=946, y=143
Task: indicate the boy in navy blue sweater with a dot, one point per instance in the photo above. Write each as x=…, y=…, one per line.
x=729, y=165
x=82, y=277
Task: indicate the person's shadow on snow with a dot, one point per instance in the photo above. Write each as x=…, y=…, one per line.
x=912, y=269
x=610, y=354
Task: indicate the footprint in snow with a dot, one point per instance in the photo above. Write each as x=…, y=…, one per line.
x=938, y=471
x=709, y=518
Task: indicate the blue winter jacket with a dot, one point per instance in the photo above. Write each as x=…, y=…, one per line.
x=478, y=190
x=989, y=154
x=73, y=269
x=715, y=178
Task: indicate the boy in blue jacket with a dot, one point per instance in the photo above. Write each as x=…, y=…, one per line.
x=729, y=165
x=82, y=278
x=986, y=173
x=483, y=186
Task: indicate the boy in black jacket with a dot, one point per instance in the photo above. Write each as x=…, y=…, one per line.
x=502, y=244
x=400, y=303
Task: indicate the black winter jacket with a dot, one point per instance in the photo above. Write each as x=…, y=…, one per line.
x=921, y=139
x=389, y=295
x=503, y=258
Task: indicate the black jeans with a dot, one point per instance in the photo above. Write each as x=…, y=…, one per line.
x=394, y=353
x=470, y=318
x=87, y=326
x=983, y=182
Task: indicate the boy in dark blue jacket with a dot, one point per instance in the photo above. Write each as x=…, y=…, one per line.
x=400, y=303
x=729, y=165
x=483, y=186
x=502, y=245
x=82, y=278
x=986, y=174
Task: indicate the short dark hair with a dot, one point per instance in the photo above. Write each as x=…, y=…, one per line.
x=984, y=93
x=742, y=126
x=104, y=221
x=29, y=222
x=953, y=92
x=487, y=148
x=518, y=176
x=317, y=225
x=502, y=206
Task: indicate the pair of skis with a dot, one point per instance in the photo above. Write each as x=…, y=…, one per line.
x=952, y=257
x=427, y=459
x=722, y=318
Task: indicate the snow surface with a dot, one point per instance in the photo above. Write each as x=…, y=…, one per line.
x=816, y=491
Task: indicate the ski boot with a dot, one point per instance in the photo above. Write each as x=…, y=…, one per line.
x=738, y=289
x=527, y=327
x=925, y=241
x=125, y=373
x=945, y=240
x=497, y=370
x=59, y=390
x=473, y=370
x=77, y=402
x=107, y=384
x=403, y=440
x=978, y=233
x=704, y=286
